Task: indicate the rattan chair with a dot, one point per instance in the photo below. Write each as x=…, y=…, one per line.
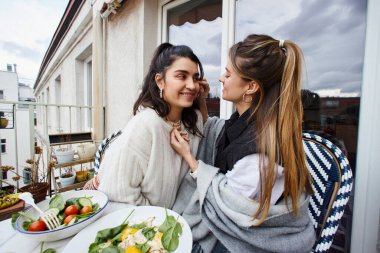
x=93, y=183
x=102, y=148
x=332, y=184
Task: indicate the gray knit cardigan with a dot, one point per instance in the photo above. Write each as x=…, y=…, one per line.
x=215, y=212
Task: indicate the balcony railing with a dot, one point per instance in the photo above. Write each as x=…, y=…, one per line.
x=30, y=124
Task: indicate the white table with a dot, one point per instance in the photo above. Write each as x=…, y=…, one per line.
x=13, y=242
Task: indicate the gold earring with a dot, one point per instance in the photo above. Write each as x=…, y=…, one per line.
x=251, y=98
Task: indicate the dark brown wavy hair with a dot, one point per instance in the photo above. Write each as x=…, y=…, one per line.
x=163, y=58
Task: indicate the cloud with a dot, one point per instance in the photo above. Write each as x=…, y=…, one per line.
x=20, y=50
x=330, y=33
x=26, y=31
x=335, y=93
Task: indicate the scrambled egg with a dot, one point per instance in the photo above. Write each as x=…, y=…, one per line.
x=132, y=249
x=155, y=244
x=131, y=237
x=128, y=231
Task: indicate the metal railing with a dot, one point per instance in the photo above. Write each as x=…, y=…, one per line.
x=31, y=123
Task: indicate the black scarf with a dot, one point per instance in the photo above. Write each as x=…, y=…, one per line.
x=235, y=141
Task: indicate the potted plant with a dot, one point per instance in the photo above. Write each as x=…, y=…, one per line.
x=36, y=177
x=81, y=175
x=67, y=178
x=38, y=185
x=86, y=150
x=3, y=122
x=8, y=188
x=64, y=155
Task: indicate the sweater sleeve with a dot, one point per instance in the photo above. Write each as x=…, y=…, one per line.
x=122, y=182
x=124, y=165
x=140, y=167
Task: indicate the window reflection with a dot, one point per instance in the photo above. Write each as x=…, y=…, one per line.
x=331, y=36
x=198, y=24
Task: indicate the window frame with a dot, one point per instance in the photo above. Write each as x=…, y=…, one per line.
x=365, y=217
x=3, y=144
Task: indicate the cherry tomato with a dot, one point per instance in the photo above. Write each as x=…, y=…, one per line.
x=86, y=209
x=73, y=209
x=69, y=218
x=37, y=226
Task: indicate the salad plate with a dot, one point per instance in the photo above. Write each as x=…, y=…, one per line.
x=97, y=198
x=82, y=241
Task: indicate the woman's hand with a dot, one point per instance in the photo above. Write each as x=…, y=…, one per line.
x=179, y=143
x=204, y=89
x=182, y=147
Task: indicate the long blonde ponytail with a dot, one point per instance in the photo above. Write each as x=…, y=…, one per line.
x=277, y=112
x=297, y=178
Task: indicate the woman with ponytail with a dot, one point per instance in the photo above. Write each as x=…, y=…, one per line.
x=140, y=167
x=249, y=189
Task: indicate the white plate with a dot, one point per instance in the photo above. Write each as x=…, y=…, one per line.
x=82, y=241
x=61, y=233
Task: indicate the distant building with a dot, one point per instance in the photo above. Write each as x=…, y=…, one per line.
x=13, y=91
x=213, y=106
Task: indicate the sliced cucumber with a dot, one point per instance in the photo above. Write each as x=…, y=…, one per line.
x=82, y=219
x=53, y=210
x=85, y=202
x=61, y=217
x=73, y=220
x=95, y=207
x=73, y=201
x=62, y=226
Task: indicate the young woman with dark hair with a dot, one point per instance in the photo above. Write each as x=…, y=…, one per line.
x=249, y=190
x=139, y=167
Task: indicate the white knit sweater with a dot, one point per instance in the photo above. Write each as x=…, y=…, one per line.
x=140, y=167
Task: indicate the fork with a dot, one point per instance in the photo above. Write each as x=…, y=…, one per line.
x=49, y=217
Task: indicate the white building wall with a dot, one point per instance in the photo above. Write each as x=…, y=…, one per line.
x=130, y=39
x=9, y=83
x=66, y=68
x=25, y=92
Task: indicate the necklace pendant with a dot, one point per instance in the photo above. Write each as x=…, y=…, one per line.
x=174, y=124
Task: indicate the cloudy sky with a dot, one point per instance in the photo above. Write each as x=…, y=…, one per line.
x=27, y=27
x=331, y=34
